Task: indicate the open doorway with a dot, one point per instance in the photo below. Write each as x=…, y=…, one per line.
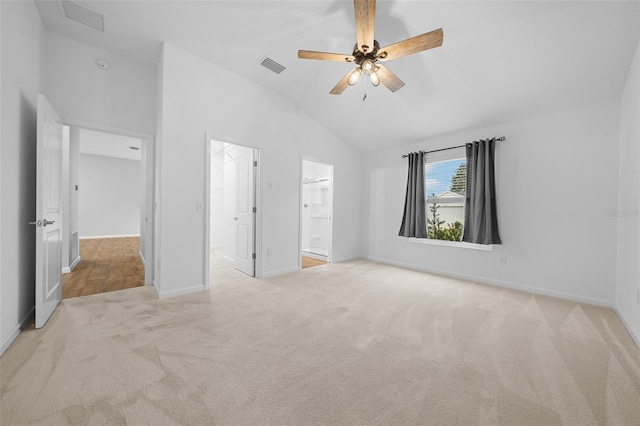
x=108, y=199
x=316, y=211
x=232, y=189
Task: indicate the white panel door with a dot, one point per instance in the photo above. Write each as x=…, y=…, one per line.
x=245, y=241
x=48, y=212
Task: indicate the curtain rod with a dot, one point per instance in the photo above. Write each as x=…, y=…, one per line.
x=452, y=147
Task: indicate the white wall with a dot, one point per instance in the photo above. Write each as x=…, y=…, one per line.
x=74, y=193
x=230, y=203
x=198, y=96
x=123, y=96
x=628, y=249
x=314, y=170
x=65, y=202
x=21, y=44
x=109, y=196
x=157, y=216
x=217, y=228
x=146, y=205
x=2, y=337
x=555, y=178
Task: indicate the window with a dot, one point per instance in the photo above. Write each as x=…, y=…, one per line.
x=445, y=186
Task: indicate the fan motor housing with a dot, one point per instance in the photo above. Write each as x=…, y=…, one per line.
x=360, y=56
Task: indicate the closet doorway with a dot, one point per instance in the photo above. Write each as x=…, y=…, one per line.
x=231, y=206
x=316, y=211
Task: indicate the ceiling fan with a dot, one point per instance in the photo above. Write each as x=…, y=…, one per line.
x=367, y=53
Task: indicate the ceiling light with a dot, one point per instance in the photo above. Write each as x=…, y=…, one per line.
x=354, y=77
x=375, y=79
x=367, y=66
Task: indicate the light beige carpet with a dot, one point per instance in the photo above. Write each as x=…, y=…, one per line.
x=355, y=343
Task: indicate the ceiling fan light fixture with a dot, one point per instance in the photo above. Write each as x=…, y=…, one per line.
x=375, y=79
x=367, y=66
x=354, y=77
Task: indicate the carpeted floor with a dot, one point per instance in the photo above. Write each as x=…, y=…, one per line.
x=355, y=343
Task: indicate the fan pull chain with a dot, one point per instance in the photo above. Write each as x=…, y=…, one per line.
x=364, y=90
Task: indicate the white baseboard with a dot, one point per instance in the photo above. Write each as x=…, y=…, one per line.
x=634, y=337
x=499, y=283
x=6, y=342
x=141, y=258
x=72, y=267
x=99, y=237
x=228, y=259
x=180, y=291
x=279, y=272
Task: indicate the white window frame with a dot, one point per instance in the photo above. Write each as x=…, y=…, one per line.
x=437, y=157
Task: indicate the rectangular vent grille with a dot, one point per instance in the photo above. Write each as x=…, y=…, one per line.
x=272, y=65
x=83, y=14
x=75, y=246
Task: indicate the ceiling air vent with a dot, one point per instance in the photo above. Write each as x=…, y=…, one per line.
x=272, y=65
x=82, y=13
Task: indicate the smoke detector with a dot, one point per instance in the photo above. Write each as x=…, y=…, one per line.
x=103, y=64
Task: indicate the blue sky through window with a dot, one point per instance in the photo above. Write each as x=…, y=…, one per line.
x=438, y=175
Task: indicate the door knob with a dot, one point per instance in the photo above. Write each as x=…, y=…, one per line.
x=44, y=222
x=235, y=218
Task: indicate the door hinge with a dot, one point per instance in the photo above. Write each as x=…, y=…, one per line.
x=255, y=210
x=255, y=163
x=253, y=256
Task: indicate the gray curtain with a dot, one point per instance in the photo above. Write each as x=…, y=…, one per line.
x=414, y=221
x=480, y=218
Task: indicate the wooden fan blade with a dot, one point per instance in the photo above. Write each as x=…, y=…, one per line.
x=412, y=45
x=342, y=84
x=365, y=23
x=389, y=79
x=324, y=56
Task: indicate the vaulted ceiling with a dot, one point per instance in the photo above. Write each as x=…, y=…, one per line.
x=500, y=61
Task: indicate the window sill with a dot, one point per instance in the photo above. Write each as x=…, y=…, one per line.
x=459, y=244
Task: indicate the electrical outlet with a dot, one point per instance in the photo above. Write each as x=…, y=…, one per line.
x=502, y=260
x=268, y=252
x=199, y=206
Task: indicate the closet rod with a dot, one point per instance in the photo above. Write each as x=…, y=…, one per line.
x=451, y=147
x=315, y=180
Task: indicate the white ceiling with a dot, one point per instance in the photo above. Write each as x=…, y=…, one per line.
x=109, y=145
x=500, y=61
